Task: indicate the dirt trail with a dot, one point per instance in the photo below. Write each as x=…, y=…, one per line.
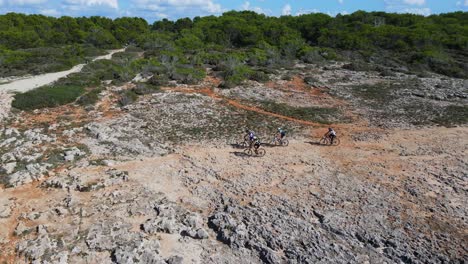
x=358, y=125
x=237, y=104
x=24, y=84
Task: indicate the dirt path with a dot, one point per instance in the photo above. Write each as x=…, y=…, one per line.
x=24, y=84
x=237, y=104
x=295, y=85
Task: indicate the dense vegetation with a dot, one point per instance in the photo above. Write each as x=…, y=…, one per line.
x=237, y=45
x=434, y=43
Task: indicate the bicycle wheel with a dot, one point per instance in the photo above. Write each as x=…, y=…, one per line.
x=285, y=142
x=248, y=151
x=261, y=152
x=323, y=141
x=274, y=141
x=243, y=144
x=336, y=141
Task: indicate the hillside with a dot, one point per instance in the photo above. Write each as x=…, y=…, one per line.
x=139, y=158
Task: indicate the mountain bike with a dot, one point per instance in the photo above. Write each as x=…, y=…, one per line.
x=251, y=152
x=327, y=141
x=244, y=142
x=279, y=141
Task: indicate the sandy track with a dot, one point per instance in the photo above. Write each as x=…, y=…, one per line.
x=24, y=84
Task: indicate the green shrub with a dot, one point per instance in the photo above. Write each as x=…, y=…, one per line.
x=314, y=114
x=378, y=93
x=89, y=98
x=79, y=79
x=145, y=88
x=259, y=76
x=159, y=80
x=127, y=97
x=234, y=72
x=257, y=57
x=453, y=115
x=188, y=75
x=315, y=54
x=47, y=96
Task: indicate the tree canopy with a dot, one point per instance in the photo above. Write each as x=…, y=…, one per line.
x=413, y=38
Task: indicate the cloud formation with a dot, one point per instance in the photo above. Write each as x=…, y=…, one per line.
x=418, y=11
x=408, y=6
x=415, y=2
x=246, y=6
x=173, y=9
x=50, y=12
x=179, y=5
x=26, y=2
x=110, y=3
x=286, y=10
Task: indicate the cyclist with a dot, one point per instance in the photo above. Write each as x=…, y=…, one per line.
x=250, y=135
x=331, y=134
x=256, y=144
x=280, y=134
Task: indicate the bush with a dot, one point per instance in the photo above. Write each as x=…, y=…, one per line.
x=89, y=98
x=259, y=76
x=159, y=80
x=453, y=115
x=127, y=97
x=314, y=114
x=377, y=93
x=359, y=66
x=310, y=55
x=144, y=88
x=188, y=75
x=234, y=72
x=312, y=81
x=47, y=96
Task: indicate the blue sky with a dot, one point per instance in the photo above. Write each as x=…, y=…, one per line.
x=153, y=10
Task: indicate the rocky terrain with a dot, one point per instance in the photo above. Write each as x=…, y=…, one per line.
x=163, y=180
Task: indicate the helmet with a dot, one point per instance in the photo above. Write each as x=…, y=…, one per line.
x=247, y=131
x=279, y=128
x=330, y=129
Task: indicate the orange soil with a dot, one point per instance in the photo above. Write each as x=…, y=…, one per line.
x=296, y=84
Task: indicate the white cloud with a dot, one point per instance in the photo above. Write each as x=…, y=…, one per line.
x=307, y=11
x=335, y=13
x=161, y=15
x=418, y=11
x=414, y=2
x=50, y=12
x=179, y=5
x=111, y=3
x=466, y=2
x=340, y=1
x=246, y=6
x=407, y=6
x=286, y=10
x=26, y=2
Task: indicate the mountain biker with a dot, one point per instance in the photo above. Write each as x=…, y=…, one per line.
x=331, y=134
x=256, y=144
x=250, y=134
x=281, y=133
